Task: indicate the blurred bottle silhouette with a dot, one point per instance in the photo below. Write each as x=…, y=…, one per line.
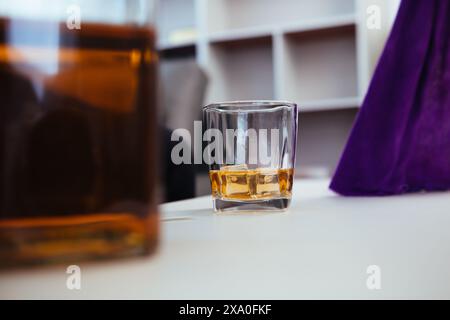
x=77, y=133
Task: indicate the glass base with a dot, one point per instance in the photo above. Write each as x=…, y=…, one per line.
x=278, y=204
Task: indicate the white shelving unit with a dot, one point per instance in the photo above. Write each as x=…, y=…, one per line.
x=318, y=53
x=319, y=67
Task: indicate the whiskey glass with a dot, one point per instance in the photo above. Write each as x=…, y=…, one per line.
x=250, y=149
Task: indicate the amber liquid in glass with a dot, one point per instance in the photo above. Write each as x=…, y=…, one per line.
x=77, y=142
x=251, y=184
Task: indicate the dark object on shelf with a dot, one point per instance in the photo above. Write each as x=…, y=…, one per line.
x=183, y=86
x=178, y=180
x=401, y=140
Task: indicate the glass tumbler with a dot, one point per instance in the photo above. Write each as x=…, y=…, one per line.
x=251, y=147
x=77, y=130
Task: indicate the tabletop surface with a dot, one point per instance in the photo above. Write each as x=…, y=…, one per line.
x=324, y=246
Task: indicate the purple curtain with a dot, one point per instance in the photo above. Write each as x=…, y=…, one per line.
x=401, y=139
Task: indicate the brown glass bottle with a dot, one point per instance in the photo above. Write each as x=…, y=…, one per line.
x=77, y=141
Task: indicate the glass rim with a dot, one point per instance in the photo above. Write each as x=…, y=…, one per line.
x=249, y=106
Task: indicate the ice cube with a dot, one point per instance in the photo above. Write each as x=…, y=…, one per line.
x=267, y=182
x=236, y=183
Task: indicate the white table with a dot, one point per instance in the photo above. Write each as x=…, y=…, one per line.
x=320, y=248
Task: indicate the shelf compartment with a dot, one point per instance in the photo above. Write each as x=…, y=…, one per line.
x=290, y=28
x=237, y=14
x=178, y=52
x=240, y=34
x=241, y=70
x=320, y=66
x=329, y=104
x=322, y=137
x=175, y=18
x=309, y=25
x=169, y=46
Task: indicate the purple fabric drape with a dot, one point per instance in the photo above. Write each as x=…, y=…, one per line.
x=401, y=139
